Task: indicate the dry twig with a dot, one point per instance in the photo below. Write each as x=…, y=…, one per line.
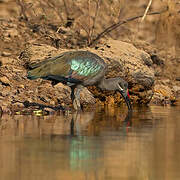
x=23, y=7
x=116, y=25
x=94, y=19
x=146, y=11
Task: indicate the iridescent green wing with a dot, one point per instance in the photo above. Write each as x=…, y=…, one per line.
x=85, y=68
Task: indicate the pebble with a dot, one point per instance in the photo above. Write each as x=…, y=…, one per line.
x=5, y=80
x=5, y=54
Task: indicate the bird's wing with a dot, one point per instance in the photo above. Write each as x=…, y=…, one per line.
x=69, y=66
x=55, y=65
x=79, y=69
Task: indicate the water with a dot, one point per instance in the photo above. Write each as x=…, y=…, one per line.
x=93, y=145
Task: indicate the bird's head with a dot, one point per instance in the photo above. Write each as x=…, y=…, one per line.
x=117, y=84
x=122, y=87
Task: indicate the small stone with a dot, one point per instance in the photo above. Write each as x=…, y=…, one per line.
x=178, y=79
x=6, y=60
x=147, y=60
x=83, y=33
x=176, y=89
x=21, y=86
x=157, y=60
x=18, y=105
x=4, y=80
x=5, y=109
x=52, y=102
x=62, y=87
x=12, y=33
x=4, y=1
x=1, y=111
x=49, y=110
x=6, y=54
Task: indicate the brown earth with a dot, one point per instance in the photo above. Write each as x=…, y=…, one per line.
x=157, y=35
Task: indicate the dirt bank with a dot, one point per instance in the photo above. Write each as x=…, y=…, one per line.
x=149, y=61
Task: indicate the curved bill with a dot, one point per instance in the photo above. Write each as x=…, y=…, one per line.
x=125, y=95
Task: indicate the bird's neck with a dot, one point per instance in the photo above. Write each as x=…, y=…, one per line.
x=104, y=84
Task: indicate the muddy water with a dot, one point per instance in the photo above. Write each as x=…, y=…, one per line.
x=106, y=144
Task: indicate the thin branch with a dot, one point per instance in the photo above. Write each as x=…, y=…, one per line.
x=145, y=13
x=89, y=22
x=83, y=27
x=95, y=17
x=66, y=9
x=121, y=9
x=116, y=25
x=56, y=9
x=22, y=5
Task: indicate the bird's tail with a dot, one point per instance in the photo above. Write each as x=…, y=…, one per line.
x=36, y=73
x=32, y=75
x=42, y=69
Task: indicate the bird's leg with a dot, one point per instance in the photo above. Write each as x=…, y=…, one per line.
x=72, y=93
x=75, y=95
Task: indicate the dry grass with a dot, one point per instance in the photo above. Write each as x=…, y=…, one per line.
x=87, y=21
x=168, y=28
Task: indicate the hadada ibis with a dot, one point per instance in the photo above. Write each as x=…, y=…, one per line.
x=78, y=69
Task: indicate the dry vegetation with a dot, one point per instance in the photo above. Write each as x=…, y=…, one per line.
x=168, y=27
x=77, y=23
x=83, y=22
x=151, y=25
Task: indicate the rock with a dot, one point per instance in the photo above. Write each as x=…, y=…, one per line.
x=178, y=79
x=162, y=95
x=21, y=86
x=37, y=52
x=4, y=1
x=5, y=109
x=127, y=60
x=48, y=110
x=87, y=97
x=83, y=33
x=63, y=87
x=130, y=63
x=157, y=60
x=163, y=89
x=11, y=33
x=1, y=111
x=16, y=106
x=6, y=54
x=123, y=60
x=64, y=92
x=176, y=89
x=147, y=60
x=6, y=60
x=165, y=82
x=5, y=81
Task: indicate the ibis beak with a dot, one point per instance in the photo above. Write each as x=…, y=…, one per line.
x=125, y=95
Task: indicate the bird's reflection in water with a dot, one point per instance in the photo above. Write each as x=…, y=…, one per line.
x=85, y=146
x=107, y=144
x=84, y=123
x=80, y=121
